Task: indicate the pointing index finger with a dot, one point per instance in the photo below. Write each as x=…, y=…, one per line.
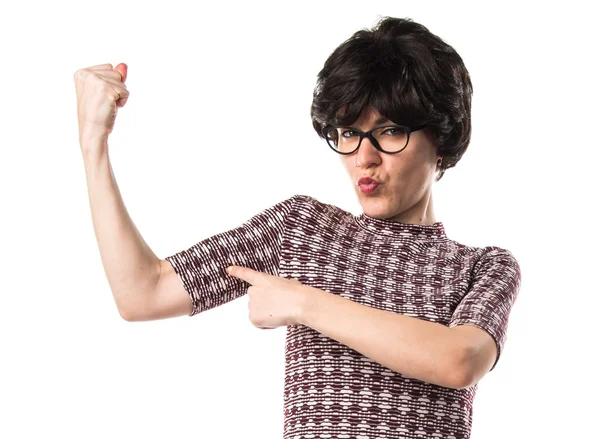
x=244, y=273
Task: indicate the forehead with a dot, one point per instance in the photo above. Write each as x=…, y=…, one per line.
x=370, y=116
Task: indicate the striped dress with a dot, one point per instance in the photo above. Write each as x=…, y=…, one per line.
x=331, y=390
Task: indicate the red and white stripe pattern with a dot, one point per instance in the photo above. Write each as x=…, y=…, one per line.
x=332, y=391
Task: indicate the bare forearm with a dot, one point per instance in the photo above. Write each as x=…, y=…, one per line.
x=131, y=267
x=415, y=348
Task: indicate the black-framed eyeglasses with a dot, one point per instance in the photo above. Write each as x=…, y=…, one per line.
x=390, y=139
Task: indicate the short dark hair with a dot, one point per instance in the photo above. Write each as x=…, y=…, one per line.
x=407, y=74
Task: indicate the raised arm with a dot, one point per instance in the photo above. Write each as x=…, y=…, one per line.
x=144, y=287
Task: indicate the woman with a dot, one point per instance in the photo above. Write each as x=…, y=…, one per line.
x=390, y=324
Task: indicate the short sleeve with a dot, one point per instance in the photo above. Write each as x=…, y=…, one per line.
x=255, y=244
x=495, y=283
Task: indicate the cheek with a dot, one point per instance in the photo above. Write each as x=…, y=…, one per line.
x=410, y=173
x=403, y=170
x=348, y=164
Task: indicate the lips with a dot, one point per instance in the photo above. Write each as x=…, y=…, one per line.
x=367, y=180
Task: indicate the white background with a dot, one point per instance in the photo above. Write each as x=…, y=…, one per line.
x=72, y=368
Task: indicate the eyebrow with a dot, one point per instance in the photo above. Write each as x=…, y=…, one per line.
x=382, y=119
x=379, y=120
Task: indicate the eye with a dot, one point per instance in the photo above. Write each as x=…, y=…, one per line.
x=393, y=132
x=349, y=133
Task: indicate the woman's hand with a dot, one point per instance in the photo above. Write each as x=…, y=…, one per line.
x=273, y=301
x=100, y=91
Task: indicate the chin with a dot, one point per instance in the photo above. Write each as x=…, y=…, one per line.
x=375, y=207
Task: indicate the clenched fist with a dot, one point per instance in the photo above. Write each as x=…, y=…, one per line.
x=100, y=91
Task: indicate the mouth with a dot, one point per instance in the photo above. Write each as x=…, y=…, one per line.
x=366, y=180
x=368, y=188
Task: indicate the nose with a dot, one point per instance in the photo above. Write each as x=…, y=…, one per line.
x=367, y=155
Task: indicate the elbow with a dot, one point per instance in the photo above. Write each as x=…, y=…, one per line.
x=461, y=379
x=459, y=373
x=126, y=315
x=129, y=307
